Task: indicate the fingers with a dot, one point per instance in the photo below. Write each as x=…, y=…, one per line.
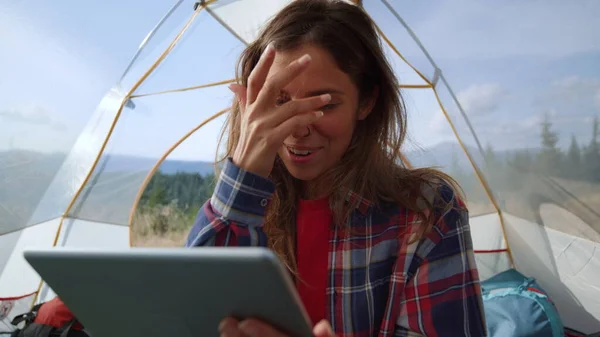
x=323, y=329
x=257, y=77
x=265, y=91
x=272, y=86
x=229, y=328
x=240, y=92
x=295, y=107
x=287, y=127
x=256, y=328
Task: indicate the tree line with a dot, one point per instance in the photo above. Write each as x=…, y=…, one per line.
x=521, y=171
x=186, y=191
x=578, y=162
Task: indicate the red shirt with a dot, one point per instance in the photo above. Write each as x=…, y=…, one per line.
x=313, y=220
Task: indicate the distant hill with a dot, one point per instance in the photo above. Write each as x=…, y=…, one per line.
x=450, y=154
x=17, y=161
x=48, y=164
x=26, y=175
x=174, y=166
x=169, y=166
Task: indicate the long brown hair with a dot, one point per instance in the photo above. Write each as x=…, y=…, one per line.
x=371, y=166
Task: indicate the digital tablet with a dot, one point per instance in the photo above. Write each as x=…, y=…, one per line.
x=180, y=292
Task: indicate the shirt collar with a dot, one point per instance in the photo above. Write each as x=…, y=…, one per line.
x=359, y=202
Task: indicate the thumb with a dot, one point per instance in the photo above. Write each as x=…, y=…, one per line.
x=240, y=93
x=323, y=329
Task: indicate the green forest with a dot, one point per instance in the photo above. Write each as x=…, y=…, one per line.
x=578, y=162
x=521, y=179
x=171, y=201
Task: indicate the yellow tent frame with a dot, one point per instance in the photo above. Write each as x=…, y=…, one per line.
x=203, y=5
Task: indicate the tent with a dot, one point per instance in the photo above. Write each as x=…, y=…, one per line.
x=92, y=121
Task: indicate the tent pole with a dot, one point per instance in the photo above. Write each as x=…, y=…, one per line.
x=416, y=39
x=467, y=153
x=160, y=161
x=226, y=26
x=148, y=38
x=391, y=45
x=482, y=180
x=410, y=32
x=112, y=127
x=202, y=86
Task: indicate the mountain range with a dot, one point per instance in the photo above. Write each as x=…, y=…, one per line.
x=444, y=155
x=25, y=176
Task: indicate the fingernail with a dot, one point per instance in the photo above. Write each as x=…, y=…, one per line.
x=231, y=88
x=222, y=325
x=319, y=114
x=304, y=59
x=325, y=98
x=268, y=49
x=247, y=328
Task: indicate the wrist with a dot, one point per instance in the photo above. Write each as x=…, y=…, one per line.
x=241, y=196
x=247, y=166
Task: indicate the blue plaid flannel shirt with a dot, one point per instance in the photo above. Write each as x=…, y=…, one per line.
x=379, y=283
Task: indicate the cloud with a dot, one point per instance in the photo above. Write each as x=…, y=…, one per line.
x=530, y=122
x=438, y=129
x=33, y=115
x=575, y=85
x=438, y=122
x=572, y=95
x=482, y=99
x=575, y=88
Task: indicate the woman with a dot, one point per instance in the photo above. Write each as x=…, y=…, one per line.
x=312, y=170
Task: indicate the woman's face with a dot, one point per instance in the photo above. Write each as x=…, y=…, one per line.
x=310, y=151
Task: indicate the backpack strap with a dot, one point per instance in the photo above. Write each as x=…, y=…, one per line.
x=67, y=330
x=27, y=317
x=32, y=329
x=36, y=330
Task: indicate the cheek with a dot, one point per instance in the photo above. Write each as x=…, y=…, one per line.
x=336, y=127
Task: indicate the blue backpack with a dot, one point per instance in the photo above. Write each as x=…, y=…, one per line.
x=517, y=306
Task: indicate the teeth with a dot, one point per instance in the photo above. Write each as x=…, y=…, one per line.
x=300, y=152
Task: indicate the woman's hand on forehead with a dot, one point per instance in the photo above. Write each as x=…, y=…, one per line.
x=265, y=124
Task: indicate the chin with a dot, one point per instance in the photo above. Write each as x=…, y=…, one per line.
x=305, y=168
x=303, y=173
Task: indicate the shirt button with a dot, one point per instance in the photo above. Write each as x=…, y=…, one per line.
x=264, y=202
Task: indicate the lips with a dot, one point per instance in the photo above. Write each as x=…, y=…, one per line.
x=301, y=154
x=301, y=151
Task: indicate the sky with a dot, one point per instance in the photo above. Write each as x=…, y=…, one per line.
x=509, y=62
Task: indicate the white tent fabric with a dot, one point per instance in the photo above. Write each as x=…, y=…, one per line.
x=83, y=187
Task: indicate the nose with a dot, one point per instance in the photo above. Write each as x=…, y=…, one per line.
x=302, y=132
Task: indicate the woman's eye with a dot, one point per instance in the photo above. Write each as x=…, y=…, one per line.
x=330, y=106
x=282, y=99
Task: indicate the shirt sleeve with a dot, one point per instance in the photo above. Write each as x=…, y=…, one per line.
x=442, y=296
x=235, y=213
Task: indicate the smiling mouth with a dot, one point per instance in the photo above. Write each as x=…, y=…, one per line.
x=298, y=152
x=304, y=152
